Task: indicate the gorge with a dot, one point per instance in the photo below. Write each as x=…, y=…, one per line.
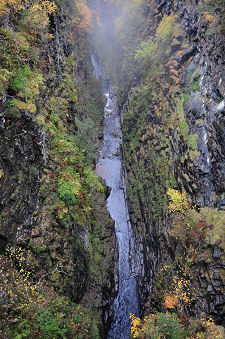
x=109, y=167
x=112, y=169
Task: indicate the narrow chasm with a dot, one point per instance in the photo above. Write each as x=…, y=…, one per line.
x=109, y=167
x=112, y=169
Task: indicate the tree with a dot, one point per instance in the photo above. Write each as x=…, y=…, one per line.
x=84, y=19
x=7, y=6
x=11, y=5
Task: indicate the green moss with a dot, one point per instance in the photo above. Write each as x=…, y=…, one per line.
x=195, y=86
x=190, y=73
x=185, y=98
x=68, y=189
x=40, y=120
x=194, y=83
x=184, y=129
x=182, y=124
x=5, y=76
x=25, y=106
x=193, y=154
x=17, y=84
x=214, y=218
x=31, y=80
x=192, y=141
x=36, y=248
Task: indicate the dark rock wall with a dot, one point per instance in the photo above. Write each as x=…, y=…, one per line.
x=22, y=164
x=73, y=245
x=174, y=137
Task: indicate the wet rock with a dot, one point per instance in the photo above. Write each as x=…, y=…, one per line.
x=22, y=159
x=216, y=254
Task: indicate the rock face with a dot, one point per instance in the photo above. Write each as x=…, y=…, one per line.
x=174, y=137
x=22, y=164
x=52, y=204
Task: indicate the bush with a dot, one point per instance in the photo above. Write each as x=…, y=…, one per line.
x=68, y=189
x=170, y=326
x=153, y=51
x=29, y=308
x=32, y=81
x=166, y=326
x=5, y=76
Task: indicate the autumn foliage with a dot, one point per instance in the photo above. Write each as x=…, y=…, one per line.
x=7, y=6
x=135, y=325
x=85, y=16
x=171, y=301
x=178, y=201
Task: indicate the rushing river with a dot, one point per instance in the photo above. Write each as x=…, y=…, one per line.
x=109, y=167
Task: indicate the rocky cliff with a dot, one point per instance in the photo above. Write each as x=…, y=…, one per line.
x=174, y=138
x=169, y=77
x=58, y=262
x=54, y=224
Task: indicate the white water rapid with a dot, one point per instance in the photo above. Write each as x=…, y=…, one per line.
x=109, y=167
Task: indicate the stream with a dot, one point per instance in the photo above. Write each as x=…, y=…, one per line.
x=109, y=167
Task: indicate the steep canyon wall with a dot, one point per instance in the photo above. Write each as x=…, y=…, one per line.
x=174, y=138
x=52, y=204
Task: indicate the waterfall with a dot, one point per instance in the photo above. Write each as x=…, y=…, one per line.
x=109, y=167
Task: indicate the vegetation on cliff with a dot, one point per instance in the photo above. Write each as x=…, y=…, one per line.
x=168, y=89
x=177, y=280
x=56, y=238
x=53, y=217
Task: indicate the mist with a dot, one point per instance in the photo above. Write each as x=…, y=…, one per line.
x=117, y=37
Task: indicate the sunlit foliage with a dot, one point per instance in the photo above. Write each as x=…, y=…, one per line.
x=178, y=201
x=84, y=19
x=16, y=284
x=31, y=309
x=135, y=322
x=170, y=326
x=191, y=225
x=44, y=6
x=17, y=5
x=164, y=35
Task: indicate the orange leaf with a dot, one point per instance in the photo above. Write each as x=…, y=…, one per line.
x=171, y=301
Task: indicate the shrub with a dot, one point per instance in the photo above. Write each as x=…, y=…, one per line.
x=33, y=83
x=166, y=326
x=152, y=51
x=178, y=201
x=49, y=323
x=23, y=105
x=170, y=326
x=7, y=6
x=30, y=309
x=68, y=188
x=5, y=76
